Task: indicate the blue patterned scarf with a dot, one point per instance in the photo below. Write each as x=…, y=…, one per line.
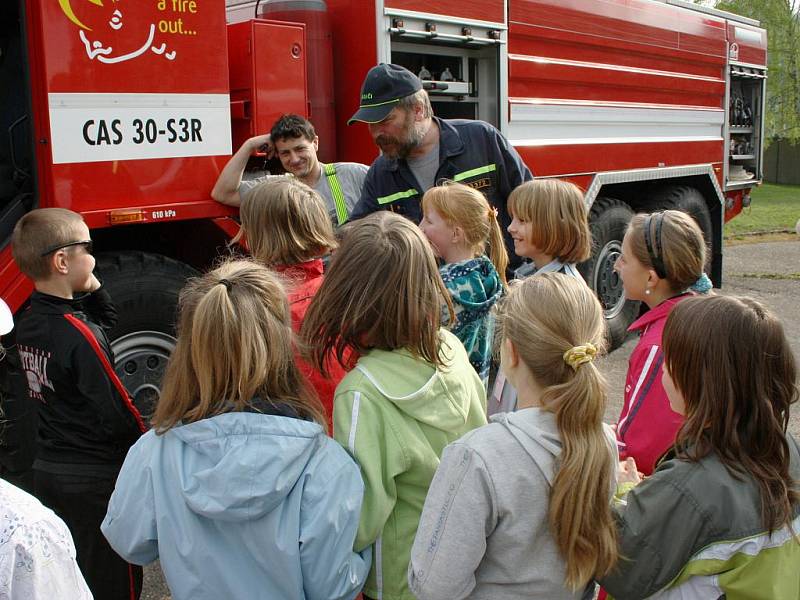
x=474, y=287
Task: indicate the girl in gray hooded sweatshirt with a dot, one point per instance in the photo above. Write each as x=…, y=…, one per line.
x=520, y=508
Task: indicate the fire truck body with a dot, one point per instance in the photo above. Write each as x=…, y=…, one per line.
x=630, y=100
x=127, y=111
x=633, y=101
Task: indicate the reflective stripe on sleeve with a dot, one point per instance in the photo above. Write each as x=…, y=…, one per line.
x=473, y=172
x=379, y=566
x=351, y=438
x=397, y=196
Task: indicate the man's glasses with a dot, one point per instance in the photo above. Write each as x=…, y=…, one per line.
x=87, y=243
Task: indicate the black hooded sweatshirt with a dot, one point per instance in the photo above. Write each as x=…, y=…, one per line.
x=86, y=416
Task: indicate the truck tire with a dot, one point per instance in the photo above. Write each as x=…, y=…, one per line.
x=144, y=288
x=689, y=200
x=608, y=220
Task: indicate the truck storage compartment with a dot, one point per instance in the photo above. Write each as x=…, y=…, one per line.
x=458, y=63
x=449, y=78
x=745, y=126
x=267, y=75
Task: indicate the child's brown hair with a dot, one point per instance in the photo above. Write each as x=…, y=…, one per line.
x=677, y=250
x=38, y=231
x=285, y=222
x=547, y=318
x=382, y=290
x=731, y=361
x=467, y=208
x=557, y=215
x=235, y=343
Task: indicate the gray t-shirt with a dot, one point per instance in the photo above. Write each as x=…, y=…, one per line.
x=424, y=168
x=351, y=178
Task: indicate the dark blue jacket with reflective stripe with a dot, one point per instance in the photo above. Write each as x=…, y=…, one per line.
x=470, y=152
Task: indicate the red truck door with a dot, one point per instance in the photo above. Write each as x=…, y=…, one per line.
x=129, y=85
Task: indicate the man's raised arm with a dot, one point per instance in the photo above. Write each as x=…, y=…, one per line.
x=226, y=189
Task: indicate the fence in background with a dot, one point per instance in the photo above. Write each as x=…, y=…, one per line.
x=782, y=162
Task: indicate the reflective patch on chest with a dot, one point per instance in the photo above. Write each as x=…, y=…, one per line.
x=478, y=184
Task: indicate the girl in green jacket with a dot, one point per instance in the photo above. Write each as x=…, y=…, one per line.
x=720, y=516
x=412, y=390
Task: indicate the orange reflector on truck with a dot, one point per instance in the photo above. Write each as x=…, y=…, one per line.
x=122, y=217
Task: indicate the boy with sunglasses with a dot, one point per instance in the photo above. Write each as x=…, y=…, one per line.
x=86, y=420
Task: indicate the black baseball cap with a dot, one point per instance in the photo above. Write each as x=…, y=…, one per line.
x=383, y=88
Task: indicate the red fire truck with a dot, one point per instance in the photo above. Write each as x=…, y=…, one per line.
x=126, y=111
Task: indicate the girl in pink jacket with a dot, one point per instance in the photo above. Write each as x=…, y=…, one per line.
x=662, y=261
x=287, y=228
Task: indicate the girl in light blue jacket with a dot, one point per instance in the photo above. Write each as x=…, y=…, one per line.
x=238, y=489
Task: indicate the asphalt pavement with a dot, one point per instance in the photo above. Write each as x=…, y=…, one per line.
x=768, y=272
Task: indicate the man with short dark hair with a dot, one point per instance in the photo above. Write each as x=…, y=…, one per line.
x=293, y=140
x=419, y=150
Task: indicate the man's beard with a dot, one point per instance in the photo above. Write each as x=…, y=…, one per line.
x=396, y=148
x=302, y=172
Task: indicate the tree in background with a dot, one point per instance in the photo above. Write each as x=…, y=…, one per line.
x=780, y=19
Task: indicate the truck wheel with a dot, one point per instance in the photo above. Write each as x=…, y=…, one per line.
x=608, y=220
x=689, y=200
x=144, y=288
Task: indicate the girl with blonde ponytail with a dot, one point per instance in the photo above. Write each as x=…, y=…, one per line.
x=461, y=226
x=259, y=501
x=520, y=508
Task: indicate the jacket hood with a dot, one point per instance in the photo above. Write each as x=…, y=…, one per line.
x=240, y=466
x=473, y=283
x=413, y=385
x=536, y=431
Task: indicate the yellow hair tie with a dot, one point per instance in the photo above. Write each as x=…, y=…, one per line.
x=579, y=355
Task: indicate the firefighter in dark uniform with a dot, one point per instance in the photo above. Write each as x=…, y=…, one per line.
x=419, y=150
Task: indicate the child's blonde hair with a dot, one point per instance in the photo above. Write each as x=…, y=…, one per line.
x=557, y=215
x=235, y=343
x=552, y=320
x=467, y=208
x=677, y=248
x=285, y=222
x=382, y=290
x=36, y=232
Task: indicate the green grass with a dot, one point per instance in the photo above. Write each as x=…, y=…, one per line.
x=775, y=276
x=774, y=208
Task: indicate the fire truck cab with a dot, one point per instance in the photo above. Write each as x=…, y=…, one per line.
x=127, y=110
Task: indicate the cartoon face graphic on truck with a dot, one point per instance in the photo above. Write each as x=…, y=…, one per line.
x=109, y=37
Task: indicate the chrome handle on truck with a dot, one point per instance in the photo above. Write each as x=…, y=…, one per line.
x=451, y=37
